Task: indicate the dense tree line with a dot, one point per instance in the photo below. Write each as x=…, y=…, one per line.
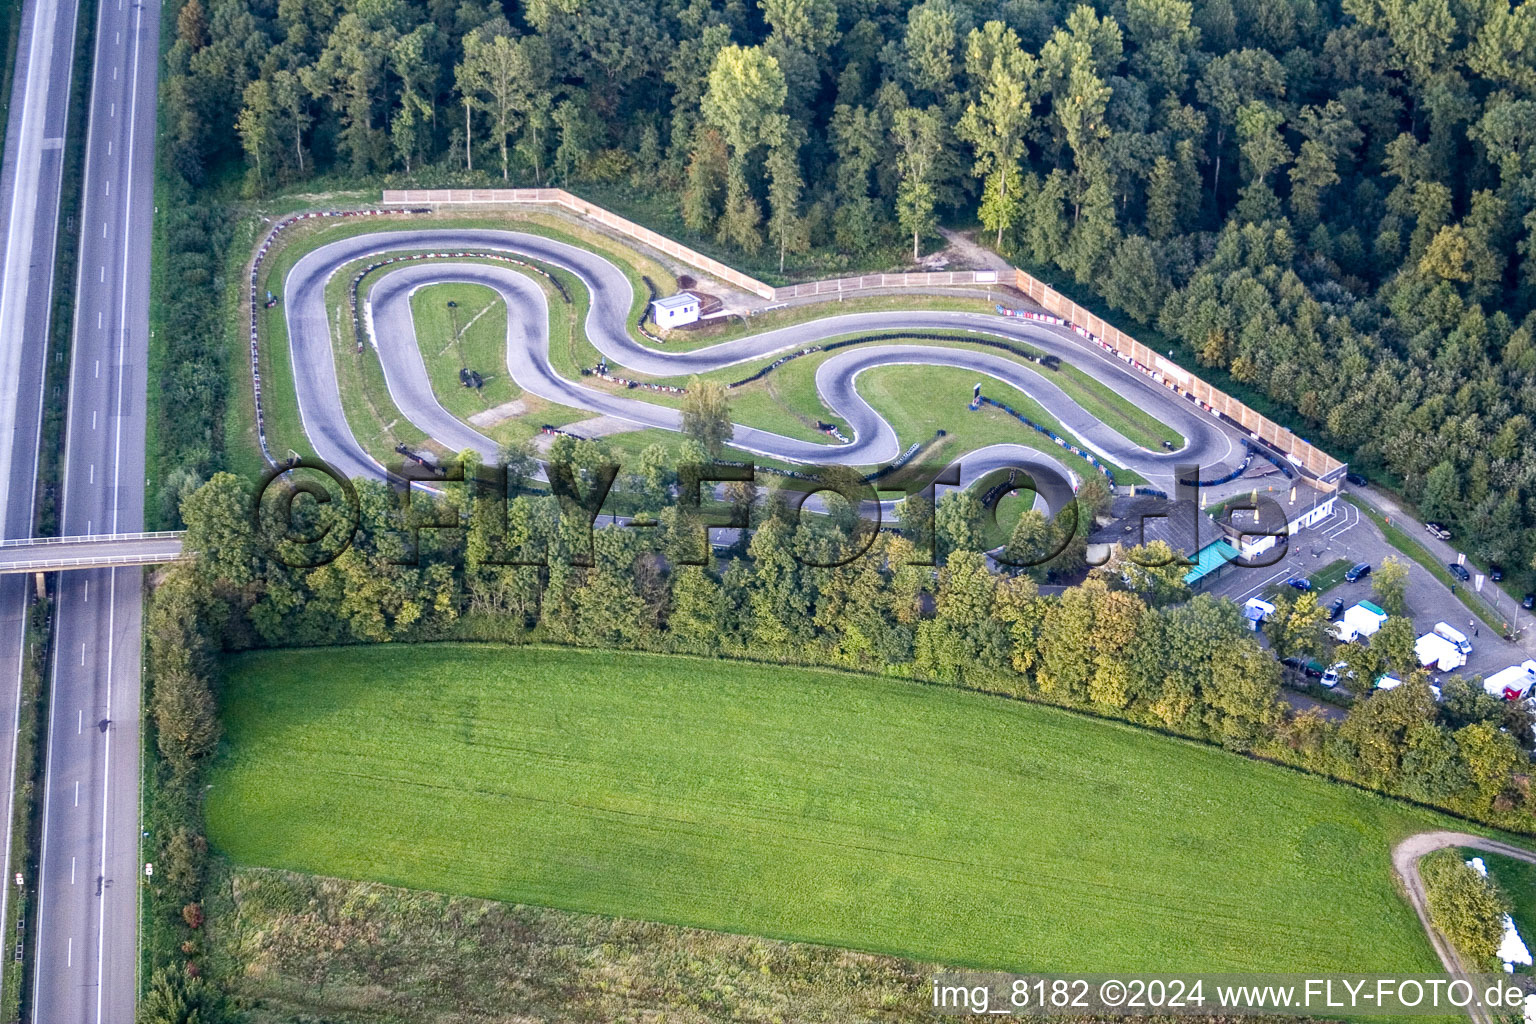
x=1331, y=202
x=1466, y=907
x=823, y=589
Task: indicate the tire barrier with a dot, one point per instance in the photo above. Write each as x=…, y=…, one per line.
x=1089, y=457
x=653, y=295
x=994, y=494
x=1029, y=314
x=602, y=374
x=261, y=255
x=1253, y=450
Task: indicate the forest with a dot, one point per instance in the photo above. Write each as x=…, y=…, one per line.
x=1330, y=206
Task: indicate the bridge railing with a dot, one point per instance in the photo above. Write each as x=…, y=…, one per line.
x=92, y=538
x=99, y=562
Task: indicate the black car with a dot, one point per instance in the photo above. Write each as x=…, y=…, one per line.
x=1529, y=601
x=1356, y=479
x=1459, y=571
x=1496, y=572
x=1299, y=582
x=1336, y=609
x=1358, y=571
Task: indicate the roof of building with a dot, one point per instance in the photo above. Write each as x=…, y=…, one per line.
x=1143, y=519
x=677, y=301
x=1295, y=498
x=1210, y=558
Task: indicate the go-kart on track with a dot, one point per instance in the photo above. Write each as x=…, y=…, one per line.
x=1211, y=444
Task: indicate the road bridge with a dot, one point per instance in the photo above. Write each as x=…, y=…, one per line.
x=92, y=551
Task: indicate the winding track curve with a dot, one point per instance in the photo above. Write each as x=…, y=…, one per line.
x=1210, y=443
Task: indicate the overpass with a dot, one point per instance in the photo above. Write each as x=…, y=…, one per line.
x=92, y=551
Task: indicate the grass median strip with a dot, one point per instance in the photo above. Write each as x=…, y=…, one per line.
x=805, y=804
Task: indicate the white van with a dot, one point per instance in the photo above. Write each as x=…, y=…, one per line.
x=1455, y=636
x=1343, y=632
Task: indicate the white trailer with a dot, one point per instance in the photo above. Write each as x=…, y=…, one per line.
x=1513, y=683
x=1364, y=618
x=1443, y=654
x=1455, y=636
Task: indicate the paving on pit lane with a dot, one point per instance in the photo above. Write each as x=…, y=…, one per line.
x=1350, y=535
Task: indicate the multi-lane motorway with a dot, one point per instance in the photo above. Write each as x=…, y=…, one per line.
x=87, y=887
x=29, y=215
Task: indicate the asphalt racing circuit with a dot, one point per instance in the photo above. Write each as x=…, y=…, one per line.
x=1210, y=443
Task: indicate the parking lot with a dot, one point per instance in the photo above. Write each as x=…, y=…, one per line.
x=1348, y=534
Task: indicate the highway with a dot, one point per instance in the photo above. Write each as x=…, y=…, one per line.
x=86, y=957
x=30, y=183
x=1210, y=443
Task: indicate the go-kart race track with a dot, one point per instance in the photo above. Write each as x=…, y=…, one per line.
x=1211, y=444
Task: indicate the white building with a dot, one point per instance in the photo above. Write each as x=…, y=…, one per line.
x=1300, y=504
x=675, y=310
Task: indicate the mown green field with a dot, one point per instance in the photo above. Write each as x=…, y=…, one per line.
x=850, y=810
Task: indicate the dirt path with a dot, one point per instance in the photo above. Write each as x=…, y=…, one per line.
x=1405, y=861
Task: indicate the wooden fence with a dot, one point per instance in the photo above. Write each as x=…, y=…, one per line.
x=560, y=197
x=1318, y=463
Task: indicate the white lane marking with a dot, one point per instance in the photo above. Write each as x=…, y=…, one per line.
x=109, y=147
x=114, y=74
x=98, y=365
x=93, y=425
x=114, y=111
x=71, y=871
x=79, y=721
x=92, y=480
x=98, y=319
x=106, y=761
x=69, y=953
x=103, y=229
x=87, y=590
x=109, y=188
x=77, y=792
x=82, y=661
x=103, y=273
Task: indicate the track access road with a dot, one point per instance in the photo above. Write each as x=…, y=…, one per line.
x=1209, y=442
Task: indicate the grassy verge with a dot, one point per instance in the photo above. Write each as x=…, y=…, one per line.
x=1420, y=554
x=20, y=925
x=286, y=942
x=748, y=799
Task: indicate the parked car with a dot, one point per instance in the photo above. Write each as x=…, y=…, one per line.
x=1299, y=582
x=1438, y=531
x=1459, y=571
x=1357, y=479
x=1337, y=672
x=1336, y=609
x=1496, y=572
x=1358, y=571
x=1306, y=666
x=1528, y=601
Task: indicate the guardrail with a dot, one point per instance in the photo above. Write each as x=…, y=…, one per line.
x=93, y=538
x=105, y=562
